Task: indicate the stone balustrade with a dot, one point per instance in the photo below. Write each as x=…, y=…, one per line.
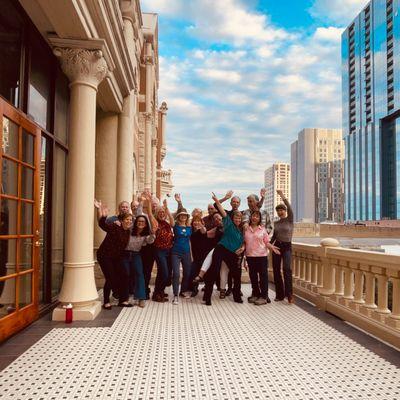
x=351, y=284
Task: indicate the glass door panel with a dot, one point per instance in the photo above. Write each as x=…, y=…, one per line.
x=19, y=234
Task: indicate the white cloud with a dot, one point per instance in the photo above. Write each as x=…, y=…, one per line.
x=234, y=112
x=219, y=75
x=226, y=21
x=340, y=12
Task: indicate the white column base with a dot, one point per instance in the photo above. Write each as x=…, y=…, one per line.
x=84, y=313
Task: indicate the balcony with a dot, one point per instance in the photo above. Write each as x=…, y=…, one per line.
x=342, y=282
x=229, y=350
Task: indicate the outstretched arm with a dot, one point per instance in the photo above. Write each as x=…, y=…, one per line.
x=219, y=205
x=227, y=196
x=169, y=215
x=287, y=204
x=153, y=221
x=262, y=197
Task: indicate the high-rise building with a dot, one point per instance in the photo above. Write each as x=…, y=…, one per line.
x=276, y=177
x=317, y=175
x=371, y=110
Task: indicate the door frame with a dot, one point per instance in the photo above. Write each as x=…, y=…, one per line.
x=23, y=316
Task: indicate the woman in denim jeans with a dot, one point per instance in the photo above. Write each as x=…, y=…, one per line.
x=132, y=259
x=180, y=253
x=162, y=246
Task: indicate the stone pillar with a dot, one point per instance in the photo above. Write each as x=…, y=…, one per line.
x=148, y=116
x=106, y=165
x=153, y=165
x=163, y=110
x=126, y=125
x=85, y=70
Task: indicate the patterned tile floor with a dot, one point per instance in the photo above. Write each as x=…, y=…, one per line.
x=191, y=351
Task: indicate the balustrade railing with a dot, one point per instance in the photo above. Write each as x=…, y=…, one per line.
x=361, y=287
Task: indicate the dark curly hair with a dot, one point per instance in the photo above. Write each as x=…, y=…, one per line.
x=145, y=231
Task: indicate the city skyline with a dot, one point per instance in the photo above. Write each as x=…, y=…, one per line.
x=277, y=76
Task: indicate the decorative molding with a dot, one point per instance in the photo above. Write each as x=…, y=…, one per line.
x=82, y=66
x=154, y=142
x=147, y=116
x=148, y=60
x=163, y=108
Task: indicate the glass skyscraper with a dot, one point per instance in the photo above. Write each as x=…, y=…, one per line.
x=371, y=112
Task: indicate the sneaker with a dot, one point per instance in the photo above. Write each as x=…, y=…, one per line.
x=175, y=300
x=260, y=301
x=252, y=299
x=142, y=303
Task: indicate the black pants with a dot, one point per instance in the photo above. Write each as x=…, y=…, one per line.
x=232, y=261
x=258, y=271
x=116, y=278
x=148, y=259
x=283, y=289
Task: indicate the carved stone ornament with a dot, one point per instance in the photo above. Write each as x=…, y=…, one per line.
x=147, y=116
x=163, y=107
x=81, y=65
x=154, y=142
x=148, y=60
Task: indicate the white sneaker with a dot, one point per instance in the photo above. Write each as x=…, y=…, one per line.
x=175, y=300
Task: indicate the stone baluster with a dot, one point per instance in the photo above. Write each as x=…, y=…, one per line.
x=395, y=315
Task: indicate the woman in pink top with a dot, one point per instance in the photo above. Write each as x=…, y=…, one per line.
x=257, y=243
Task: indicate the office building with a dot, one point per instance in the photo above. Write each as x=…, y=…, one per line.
x=371, y=110
x=317, y=175
x=276, y=177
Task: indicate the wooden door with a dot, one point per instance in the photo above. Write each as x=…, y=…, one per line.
x=19, y=219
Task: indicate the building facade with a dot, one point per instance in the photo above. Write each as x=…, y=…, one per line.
x=79, y=119
x=276, y=177
x=371, y=111
x=317, y=182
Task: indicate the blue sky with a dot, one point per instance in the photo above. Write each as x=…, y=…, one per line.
x=241, y=78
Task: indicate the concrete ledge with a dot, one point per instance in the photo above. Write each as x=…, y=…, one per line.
x=85, y=313
x=375, y=328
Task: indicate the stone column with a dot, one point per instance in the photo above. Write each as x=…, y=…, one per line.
x=148, y=116
x=126, y=122
x=106, y=165
x=163, y=110
x=85, y=70
x=153, y=165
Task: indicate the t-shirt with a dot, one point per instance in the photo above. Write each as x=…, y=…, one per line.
x=232, y=238
x=181, y=239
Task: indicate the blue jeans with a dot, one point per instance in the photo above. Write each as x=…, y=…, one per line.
x=132, y=262
x=176, y=260
x=162, y=260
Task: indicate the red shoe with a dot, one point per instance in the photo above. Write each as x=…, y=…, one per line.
x=290, y=299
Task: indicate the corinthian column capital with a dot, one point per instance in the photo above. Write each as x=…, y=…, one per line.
x=83, y=66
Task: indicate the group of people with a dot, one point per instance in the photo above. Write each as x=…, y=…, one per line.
x=211, y=249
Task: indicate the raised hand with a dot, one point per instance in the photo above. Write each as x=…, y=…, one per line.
x=262, y=192
x=165, y=203
x=280, y=193
x=214, y=197
x=229, y=194
x=97, y=203
x=177, y=197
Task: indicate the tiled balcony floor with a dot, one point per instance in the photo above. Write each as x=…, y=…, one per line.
x=191, y=351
